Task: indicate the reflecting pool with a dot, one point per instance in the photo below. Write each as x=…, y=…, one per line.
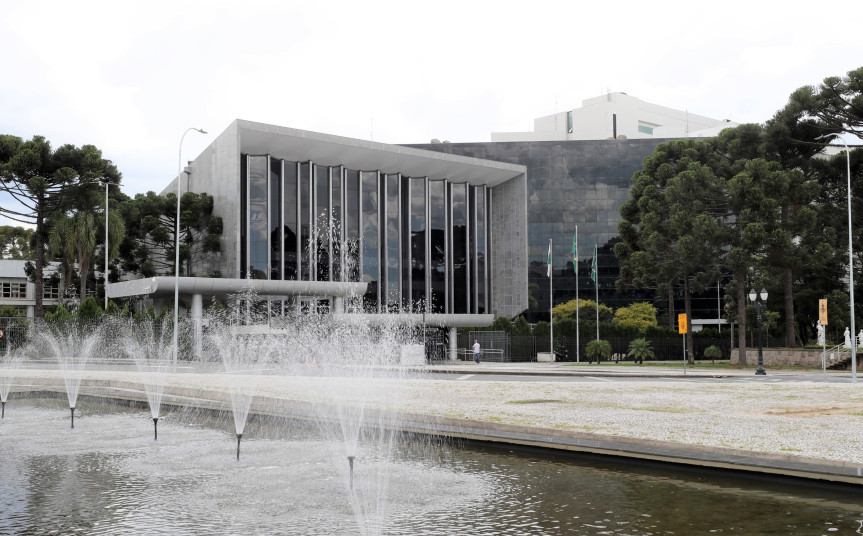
x=108, y=476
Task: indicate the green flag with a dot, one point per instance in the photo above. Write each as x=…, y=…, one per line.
x=593, y=274
x=575, y=251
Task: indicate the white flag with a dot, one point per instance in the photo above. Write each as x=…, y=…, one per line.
x=549, y=258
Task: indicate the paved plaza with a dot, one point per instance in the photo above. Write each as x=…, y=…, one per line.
x=788, y=422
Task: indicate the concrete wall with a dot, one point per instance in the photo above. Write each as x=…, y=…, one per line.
x=785, y=357
x=509, y=248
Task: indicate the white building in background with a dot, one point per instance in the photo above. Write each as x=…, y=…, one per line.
x=618, y=116
x=18, y=292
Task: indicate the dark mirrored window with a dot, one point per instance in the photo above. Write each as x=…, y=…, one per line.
x=459, y=249
x=258, y=228
x=370, y=252
x=437, y=225
x=418, y=243
x=275, y=219
x=305, y=219
x=290, y=219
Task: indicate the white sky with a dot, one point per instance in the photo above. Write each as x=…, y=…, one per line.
x=130, y=77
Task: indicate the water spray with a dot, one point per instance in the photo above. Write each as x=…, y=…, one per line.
x=239, y=438
x=155, y=428
x=72, y=411
x=351, y=464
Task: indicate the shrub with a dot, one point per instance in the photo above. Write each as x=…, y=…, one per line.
x=598, y=349
x=712, y=353
x=639, y=350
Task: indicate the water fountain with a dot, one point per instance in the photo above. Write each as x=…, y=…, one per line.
x=72, y=344
x=149, y=342
x=244, y=349
x=8, y=363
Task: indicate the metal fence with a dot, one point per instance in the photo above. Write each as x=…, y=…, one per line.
x=14, y=333
x=524, y=349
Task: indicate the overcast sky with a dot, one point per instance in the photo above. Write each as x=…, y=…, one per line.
x=130, y=77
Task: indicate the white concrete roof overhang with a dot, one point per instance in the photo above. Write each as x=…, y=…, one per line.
x=430, y=319
x=226, y=287
x=301, y=146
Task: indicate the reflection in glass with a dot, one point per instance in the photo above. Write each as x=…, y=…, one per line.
x=258, y=232
x=290, y=220
x=336, y=222
x=480, y=255
x=437, y=223
x=305, y=218
x=351, y=225
x=392, y=242
x=275, y=217
x=370, y=253
x=418, y=242
x=321, y=238
x=459, y=249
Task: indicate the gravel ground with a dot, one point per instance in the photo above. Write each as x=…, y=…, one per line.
x=823, y=421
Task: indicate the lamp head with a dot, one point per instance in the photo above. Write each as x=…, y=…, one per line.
x=752, y=295
x=764, y=294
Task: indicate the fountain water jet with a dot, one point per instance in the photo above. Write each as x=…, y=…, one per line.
x=72, y=343
x=8, y=363
x=150, y=344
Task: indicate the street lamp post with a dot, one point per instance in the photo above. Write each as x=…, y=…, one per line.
x=177, y=243
x=106, y=182
x=759, y=308
x=850, y=257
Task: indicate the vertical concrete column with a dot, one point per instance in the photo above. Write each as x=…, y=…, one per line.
x=197, y=321
x=339, y=305
x=453, y=344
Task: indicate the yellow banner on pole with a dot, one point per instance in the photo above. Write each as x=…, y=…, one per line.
x=682, y=323
x=822, y=312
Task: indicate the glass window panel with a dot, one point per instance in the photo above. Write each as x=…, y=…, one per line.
x=480, y=280
x=392, y=242
x=305, y=218
x=275, y=219
x=351, y=225
x=459, y=249
x=418, y=243
x=370, y=253
x=336, y=221
x=258, y=228
x=290, y=220
x=321, y=237
x=437, y=221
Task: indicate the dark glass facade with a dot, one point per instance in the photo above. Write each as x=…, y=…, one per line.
x=569, y=183
x=421, y=244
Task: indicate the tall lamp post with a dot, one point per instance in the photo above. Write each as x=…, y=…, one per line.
x=177, y=243
x=759, y=308
x=850, y=257
x=106, y=182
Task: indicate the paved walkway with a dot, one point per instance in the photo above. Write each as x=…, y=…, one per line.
x=803, y=428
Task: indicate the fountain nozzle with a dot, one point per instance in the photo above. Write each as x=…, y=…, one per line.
x=239, y=438
x=3, y=413
x=351, y=464
x=155, y=428
x=72, y=410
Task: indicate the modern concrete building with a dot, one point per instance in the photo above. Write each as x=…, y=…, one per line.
x=618, y=116
x=423, y=232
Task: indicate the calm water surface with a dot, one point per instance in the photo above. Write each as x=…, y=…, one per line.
x=109, y=477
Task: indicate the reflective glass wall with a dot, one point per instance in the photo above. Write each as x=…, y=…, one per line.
x=420, y=244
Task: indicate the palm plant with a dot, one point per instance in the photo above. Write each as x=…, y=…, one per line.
x=639, y=350
x=598, y=349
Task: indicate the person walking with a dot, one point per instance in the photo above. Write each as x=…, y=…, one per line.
x=476, y=350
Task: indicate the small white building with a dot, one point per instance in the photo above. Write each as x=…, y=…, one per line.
x=17, y=291
x=618, y=116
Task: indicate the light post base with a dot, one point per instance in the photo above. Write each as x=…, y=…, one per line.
x=760, y=371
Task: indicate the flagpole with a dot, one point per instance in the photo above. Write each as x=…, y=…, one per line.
x=551, y=300
x=596, y=268
x=577, y=298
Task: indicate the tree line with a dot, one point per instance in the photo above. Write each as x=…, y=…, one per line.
x=761, y=203
x=59, y=196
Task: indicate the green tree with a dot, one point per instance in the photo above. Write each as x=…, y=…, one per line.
x=15, y=243
x=41, y=181
x=672, y=227
x=150, y=222
x=639, y=350
x=586, y=312
x=520, y=327
x=502, y=323
x=637, y=315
